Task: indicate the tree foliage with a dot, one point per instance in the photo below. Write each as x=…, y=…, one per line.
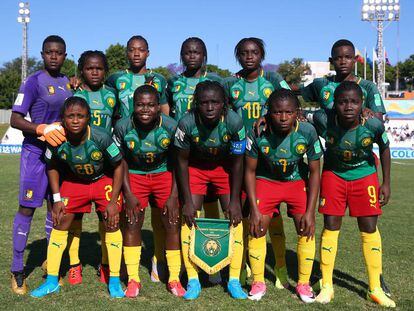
x=224, y=73
x=116, y=56
x=293, y=71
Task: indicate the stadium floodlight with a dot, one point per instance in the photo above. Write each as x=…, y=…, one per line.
x=380, y=11
x=24, y=19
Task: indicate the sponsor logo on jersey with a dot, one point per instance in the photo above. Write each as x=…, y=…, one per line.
x=65, y=201
x=235, y=94
x=111, y=102
x=19, y=99
x=165, y=142
x=346, y=142
x=51, y=89
x=366, y=141
x=267, y=91
x=96, y=155
x=283, y=150
x=29, y=194
x=300, y=148
x=251, y=93
x=211, y=247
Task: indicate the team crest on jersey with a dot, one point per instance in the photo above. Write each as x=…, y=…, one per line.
x=366, y=141
x=111, y=102
x=226, y=138
x=196, y=139
x=51, y=89
x=265, y=149
x=177, y=88
x=326, y=95
x=65, y=201
x=96, y=155
x=29, y=194
x=267, y=91
x=211, y=247
x=122, y=85
x=63, y=156
x=155, y=85
x=165, y=142
x=300, y=148
x=131, y=145
x=68, y=86
x=235, y=94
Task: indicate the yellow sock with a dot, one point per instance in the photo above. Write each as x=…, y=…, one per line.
x=113, y=242
x=174, y=264
x=245, y=222
x=57, y=244
x=278, y=238
x=372, y=250
x=158, y=235
x=306, y=255
x=236, y=261
x=132, y=256
x=185, y=247
x=257, y=257
x=74, y=235
x=329, y=247
x=104, y=250
x=211, y=210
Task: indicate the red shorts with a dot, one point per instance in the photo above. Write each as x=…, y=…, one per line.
x=270, y=193
x=218, y=178
x=360, y=195
x=156, y=186
x=78, y=196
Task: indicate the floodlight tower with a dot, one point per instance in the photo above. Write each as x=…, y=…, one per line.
x=381, y=11
x=24, y=19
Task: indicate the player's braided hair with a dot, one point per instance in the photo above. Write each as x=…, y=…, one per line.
x=73, y=101
x=139, y=38
x=342, y=42
x=209, y=85
x=146, y=89
x=348, y=86
x=54, y=39
x=194, y=40
x=282, y=94
x=85, y=55
x=259, y=42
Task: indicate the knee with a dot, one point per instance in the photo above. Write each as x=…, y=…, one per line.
x=26, y=211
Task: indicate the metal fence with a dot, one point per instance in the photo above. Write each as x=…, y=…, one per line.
x=5, y=116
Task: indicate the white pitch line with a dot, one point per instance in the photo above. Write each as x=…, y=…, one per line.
x=402, y=163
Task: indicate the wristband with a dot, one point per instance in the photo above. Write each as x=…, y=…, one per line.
x=56, y=197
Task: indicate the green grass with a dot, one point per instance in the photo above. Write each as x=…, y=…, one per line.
x=349, y=277
x=3, y=129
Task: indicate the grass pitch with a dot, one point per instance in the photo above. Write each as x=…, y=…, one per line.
x=350, y=279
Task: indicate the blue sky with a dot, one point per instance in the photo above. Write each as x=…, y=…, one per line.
x=290, y=28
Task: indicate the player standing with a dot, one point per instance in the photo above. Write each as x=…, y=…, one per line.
x=146, y=139
x=275, y=173
x=210, y=140
x=247, y=93
x=92, y=66
x=41, y=96
x=84, y=170
x=350, y=178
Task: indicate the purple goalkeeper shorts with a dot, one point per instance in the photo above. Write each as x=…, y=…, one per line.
x=33, y=177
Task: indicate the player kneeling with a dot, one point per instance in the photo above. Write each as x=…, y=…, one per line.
x=276, y=173
x=146, y=139
x=349, y=178
x=89, y=167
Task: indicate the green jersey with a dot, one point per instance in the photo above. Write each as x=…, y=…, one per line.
x=89, y=160
x=102, y=104
x=349, y=151
x=248, y=98
x=321, y=90
x=126, y=82
x=211, y=146
x=146, y=152
x=281, y=158
x=180, y=92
